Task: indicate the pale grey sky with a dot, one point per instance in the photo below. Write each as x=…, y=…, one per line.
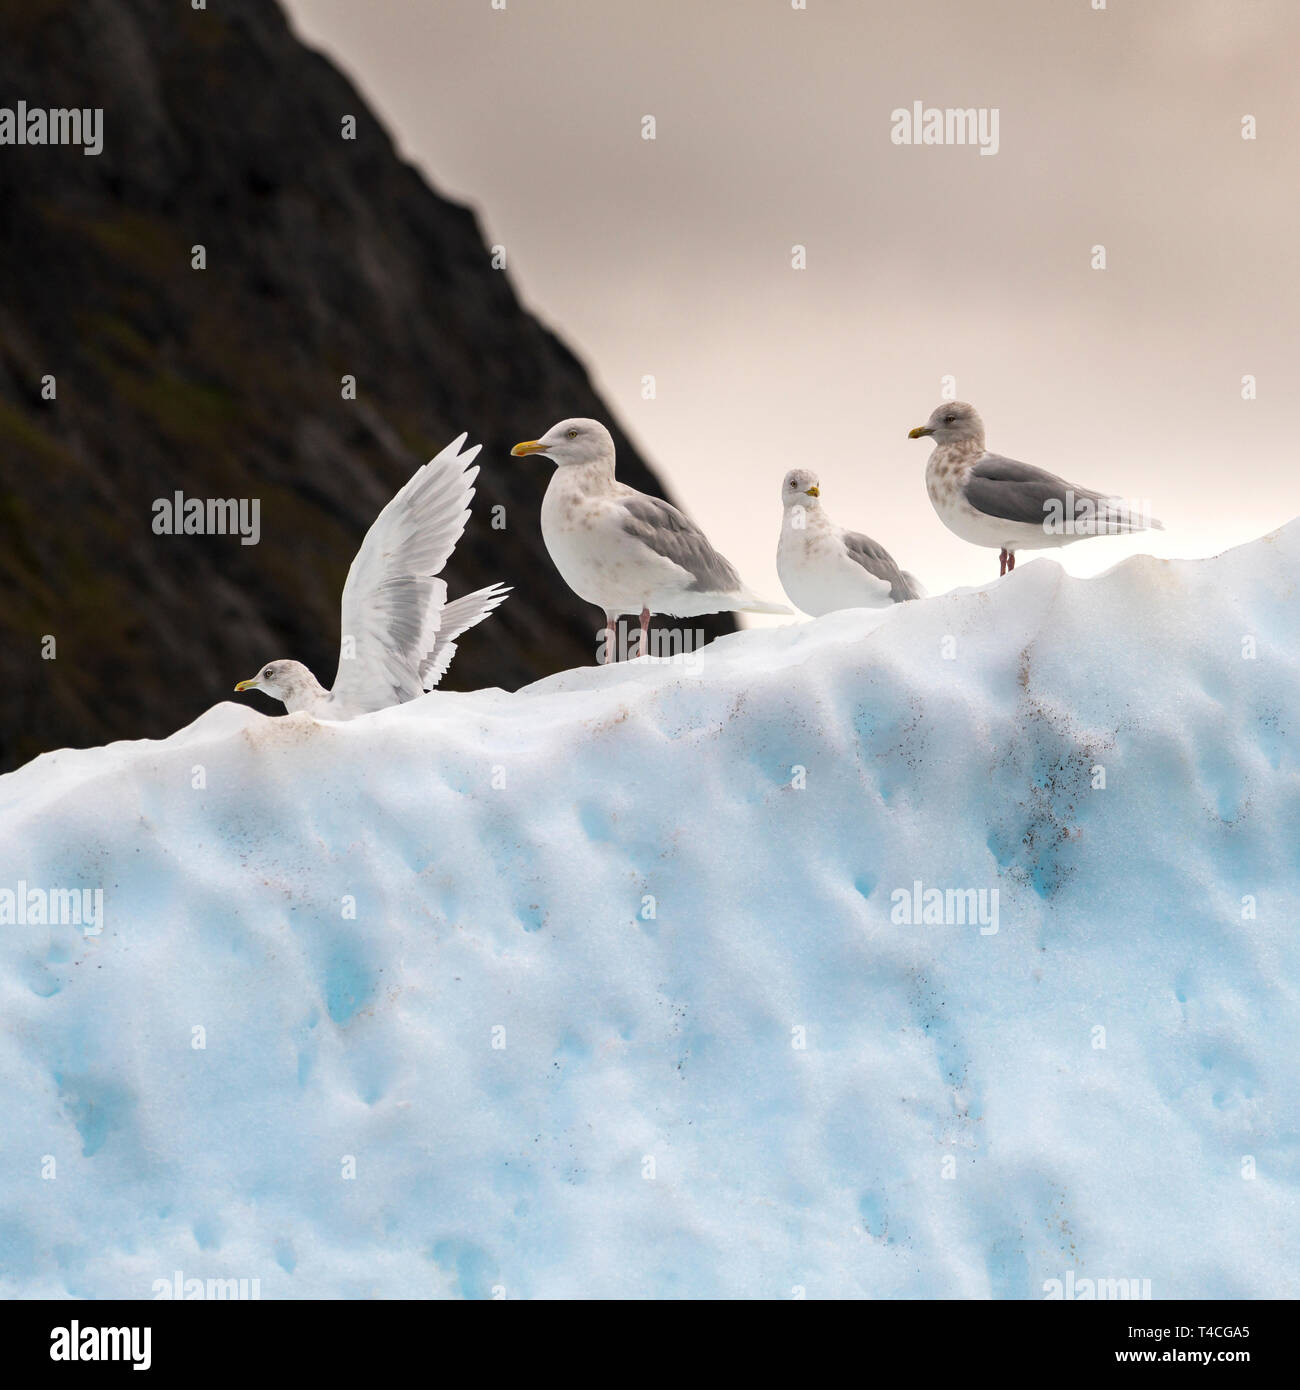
x=1120, y=127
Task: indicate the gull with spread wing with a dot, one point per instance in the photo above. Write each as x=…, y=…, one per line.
x=399, y=631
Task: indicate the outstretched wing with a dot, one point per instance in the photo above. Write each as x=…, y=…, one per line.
x=660, y=526
x=1013, y=491
x=458, y=617
x=392, y=600
x=879, y=563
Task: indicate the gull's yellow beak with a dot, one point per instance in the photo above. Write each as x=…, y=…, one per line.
x=919, y=432
x=246, y=685
x=529, y=446
x=813, y=491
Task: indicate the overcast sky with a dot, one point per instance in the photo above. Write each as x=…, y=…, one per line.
x=1120, y=127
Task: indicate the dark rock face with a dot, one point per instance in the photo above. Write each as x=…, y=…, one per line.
x=326, y=257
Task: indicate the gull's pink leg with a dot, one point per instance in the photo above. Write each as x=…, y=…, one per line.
x=1011, y=560
x=645, y=632
x=1003, y=558
x=611, y=636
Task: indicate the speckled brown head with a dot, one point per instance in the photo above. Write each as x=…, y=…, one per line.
x=952, y=422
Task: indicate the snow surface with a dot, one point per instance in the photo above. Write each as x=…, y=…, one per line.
x=523, y=1170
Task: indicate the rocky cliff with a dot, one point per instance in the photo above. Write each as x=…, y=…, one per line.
x=325, y=257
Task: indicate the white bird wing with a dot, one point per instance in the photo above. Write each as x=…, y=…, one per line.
x=458, y=617
x=392, y=600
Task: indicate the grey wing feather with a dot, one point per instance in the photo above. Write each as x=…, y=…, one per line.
x=1014, y=491
x=659, y=525
x=878, y=562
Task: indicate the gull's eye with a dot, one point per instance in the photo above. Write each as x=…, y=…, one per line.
x=268, y=674
x=949, y=419
x=573, y=434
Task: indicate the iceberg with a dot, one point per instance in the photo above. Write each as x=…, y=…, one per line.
x=943, y=951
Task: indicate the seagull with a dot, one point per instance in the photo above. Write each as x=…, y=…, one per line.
x=399, y=631
x=994, y=501
x=824, y=567
x=623, y=550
